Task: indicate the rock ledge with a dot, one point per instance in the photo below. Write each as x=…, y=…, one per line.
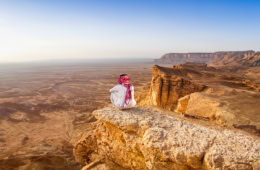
x=143, y=138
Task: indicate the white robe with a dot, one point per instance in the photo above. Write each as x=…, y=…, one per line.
x=118, y=94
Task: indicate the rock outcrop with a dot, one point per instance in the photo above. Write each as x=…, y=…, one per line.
x=218, y=95
x=237, y=111
x=170, y=84
x=201, y=105
x=142, y=138
x=223, y=58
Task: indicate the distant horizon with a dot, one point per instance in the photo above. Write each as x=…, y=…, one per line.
x=134, y=58
x=44, y=29
x=94, y=60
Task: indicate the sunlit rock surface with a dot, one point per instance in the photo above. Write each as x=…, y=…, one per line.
x=223, y=96
x=168, y=85
x=142, y=138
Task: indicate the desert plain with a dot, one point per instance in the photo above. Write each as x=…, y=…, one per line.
x=45, y=107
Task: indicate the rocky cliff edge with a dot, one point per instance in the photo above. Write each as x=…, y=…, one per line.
x=143, y=138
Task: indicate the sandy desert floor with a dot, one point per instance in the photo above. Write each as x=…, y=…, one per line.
x=43, y=109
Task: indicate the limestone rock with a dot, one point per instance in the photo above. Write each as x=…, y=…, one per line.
x=170, y=84
x=231, y=113
x=182, y=104
x=203, y=106
x=207, y=93
x=142, y=138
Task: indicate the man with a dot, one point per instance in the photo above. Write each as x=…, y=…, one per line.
x=122, y=95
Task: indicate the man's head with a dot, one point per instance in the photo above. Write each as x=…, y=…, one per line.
x=124, y=78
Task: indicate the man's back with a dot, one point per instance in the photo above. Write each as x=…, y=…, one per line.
x=118, y=95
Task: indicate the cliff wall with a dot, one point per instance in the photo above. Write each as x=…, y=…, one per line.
x=180, y=58
x=225, y=58
x=170, y=84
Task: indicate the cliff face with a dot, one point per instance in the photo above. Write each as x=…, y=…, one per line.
x=180, y=58
x=170, y=84
x=246, y=59
x=206, y=93
x=142, y=138
x=232, y=58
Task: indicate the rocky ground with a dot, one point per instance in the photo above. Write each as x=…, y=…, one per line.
x=143, y=138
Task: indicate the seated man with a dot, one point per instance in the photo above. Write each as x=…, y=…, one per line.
x=122, y=95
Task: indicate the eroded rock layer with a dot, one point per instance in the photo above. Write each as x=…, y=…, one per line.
x=180, y=58
x=222, y=96
x=222, y=58
x=146, y=139
x=170, y=84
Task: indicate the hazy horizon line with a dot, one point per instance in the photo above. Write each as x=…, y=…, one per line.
x=91, y=59
x=94, y=60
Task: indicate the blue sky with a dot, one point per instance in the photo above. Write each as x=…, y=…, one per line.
x=57, y=29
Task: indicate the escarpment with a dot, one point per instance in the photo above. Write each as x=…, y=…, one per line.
x=143, y=138
x=222, y=58
x=180, y=58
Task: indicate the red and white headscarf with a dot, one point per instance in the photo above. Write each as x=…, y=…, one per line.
x=125, y=81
